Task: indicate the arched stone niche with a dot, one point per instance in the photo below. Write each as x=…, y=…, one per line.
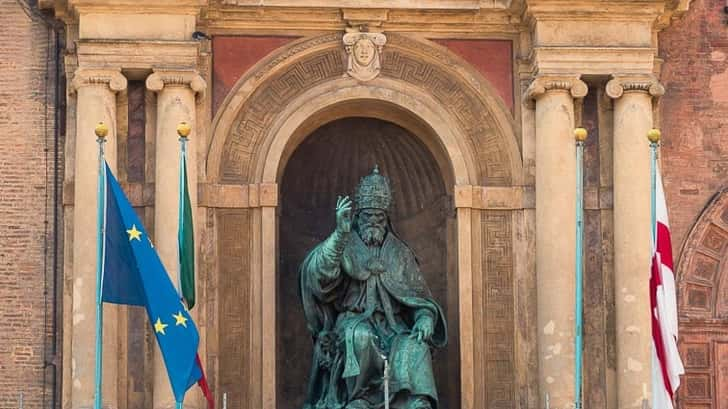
x=329, y=163
x=703, y=307
x=454, y=112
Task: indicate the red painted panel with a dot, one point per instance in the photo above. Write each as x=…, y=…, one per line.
x=232, y=56
x=493, y=58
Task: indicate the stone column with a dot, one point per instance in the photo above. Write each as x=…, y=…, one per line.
x=175, y=103
x=95, y=102
x=555, y=234
x=632, y=119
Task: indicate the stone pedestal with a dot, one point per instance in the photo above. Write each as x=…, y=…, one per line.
x=175, y=103
x=96, y=102
x=632, y=120
x=555, y=233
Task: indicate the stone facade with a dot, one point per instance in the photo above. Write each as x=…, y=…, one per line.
x=490, y=91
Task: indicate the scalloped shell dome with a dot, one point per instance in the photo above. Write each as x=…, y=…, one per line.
x=332, y=160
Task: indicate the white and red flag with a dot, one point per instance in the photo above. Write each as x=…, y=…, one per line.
x=666, y=363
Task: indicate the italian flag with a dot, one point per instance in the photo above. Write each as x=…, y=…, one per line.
x=186, y=239
x=186, y=251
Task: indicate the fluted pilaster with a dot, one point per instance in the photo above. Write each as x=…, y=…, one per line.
x=95, y=102
x=555, y=233
x=176, y=92
x=633, y=96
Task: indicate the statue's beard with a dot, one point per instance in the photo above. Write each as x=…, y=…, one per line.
x=372, y=235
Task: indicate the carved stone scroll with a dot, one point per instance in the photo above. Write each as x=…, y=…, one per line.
x=112, y=78
x=621, y=84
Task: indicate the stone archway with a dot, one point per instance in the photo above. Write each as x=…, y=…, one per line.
x=269, y=113
x=703, y=308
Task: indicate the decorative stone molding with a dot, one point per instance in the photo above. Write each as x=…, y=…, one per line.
x=543, y=84
x=364, y=52
x=161, y=78
x=260, y=98
x=111, y=78
x=618, y=85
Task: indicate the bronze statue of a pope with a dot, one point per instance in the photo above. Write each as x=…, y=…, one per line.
x=365, y=300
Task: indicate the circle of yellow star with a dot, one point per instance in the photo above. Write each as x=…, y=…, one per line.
x=181, y=320
x=159, y=326
x=134, y=233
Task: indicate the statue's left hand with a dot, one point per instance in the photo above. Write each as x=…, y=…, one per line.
x=423, y=329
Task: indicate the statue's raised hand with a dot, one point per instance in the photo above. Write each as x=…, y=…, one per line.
x=343, y=214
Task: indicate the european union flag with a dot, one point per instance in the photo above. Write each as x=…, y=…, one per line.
x=133, y=274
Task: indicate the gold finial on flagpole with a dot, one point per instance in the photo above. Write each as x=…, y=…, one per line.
x=184, y=129
x=101, y=130
x=580, y=134
x=654, y=135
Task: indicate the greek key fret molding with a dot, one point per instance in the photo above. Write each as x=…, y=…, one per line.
x=618, y=85
x=543, y=84
x=491, y=197
x=320, y=59
x=112, y=78
x=161, y=78
x=237, y=196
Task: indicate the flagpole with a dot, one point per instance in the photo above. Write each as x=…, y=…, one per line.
x=101, y=132
x=653, y=135
x=183, y=130
x=580, y=135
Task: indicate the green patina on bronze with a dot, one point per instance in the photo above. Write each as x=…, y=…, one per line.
x=365, y=298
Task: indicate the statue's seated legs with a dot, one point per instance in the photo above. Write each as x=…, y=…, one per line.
x=411, y=379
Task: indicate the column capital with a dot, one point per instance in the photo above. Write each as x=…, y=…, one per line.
x=112, y=78
x=545, y=83
x=619, y=84
x=176, y=78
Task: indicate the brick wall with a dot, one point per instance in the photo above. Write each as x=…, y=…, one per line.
x=27, y=89
x=694, y=112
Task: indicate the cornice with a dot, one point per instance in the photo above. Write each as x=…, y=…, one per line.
x=76, y=7
x=226, y=19
x=645, y=10
x=378, y=4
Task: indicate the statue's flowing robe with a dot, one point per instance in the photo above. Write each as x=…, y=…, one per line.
x=361, y=308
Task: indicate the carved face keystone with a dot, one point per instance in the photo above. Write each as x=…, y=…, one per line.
x=364, y=51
